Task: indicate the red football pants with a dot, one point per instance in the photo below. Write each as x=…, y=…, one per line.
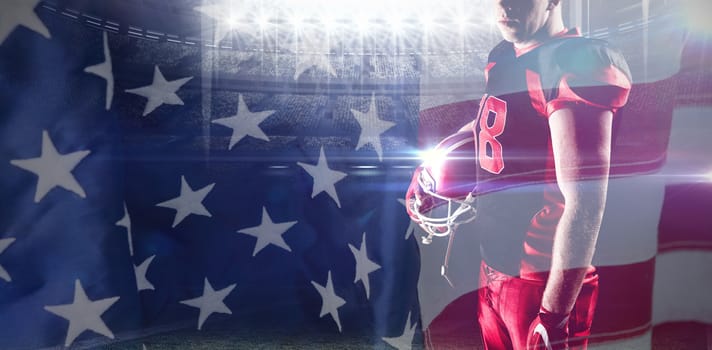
x=508, y=305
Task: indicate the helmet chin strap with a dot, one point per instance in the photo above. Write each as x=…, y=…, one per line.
x=444, y=266
x=447, y=228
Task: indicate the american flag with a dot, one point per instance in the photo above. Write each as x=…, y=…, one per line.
x=153, y=183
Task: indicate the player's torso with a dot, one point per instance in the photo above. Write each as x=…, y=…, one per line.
x=514, y=159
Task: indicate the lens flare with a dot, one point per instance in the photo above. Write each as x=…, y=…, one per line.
x=708, y=176
x=696, y=15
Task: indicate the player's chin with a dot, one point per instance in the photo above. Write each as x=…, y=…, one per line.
x=510, y=33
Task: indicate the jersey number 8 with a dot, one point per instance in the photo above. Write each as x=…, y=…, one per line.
x=492, y=119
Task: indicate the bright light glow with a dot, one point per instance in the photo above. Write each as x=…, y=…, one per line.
x=232, y=21
x=363, y=23
x=328, y=22
x=349, y=22
x=345, y=10
x=696, y=14
x=708, y=176
x=432, y=156
x=297, y=22
x=427, y=22
x=462, y=21
x=263, y=22
x=396, y=23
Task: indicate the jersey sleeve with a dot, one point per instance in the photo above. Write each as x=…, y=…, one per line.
x=593, y=74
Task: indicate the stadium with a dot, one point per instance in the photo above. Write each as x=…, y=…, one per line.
x=293, y=225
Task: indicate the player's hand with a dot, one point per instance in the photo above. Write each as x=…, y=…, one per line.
x=413, y=195
x=416, y=198
x=548, y=331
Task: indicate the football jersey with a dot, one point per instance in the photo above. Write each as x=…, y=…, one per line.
x=519, y=203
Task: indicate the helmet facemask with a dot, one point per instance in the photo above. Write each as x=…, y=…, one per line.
x=436, y=214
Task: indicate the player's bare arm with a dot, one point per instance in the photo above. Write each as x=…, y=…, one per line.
x=581, y=141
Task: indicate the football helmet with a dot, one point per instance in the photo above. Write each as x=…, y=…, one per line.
x=440, y=196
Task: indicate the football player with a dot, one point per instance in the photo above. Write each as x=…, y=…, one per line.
x=546, y=119
x=543, y=146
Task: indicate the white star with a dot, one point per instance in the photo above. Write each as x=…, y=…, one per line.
x=4, y=243
x=313, y=53
x=226, y=16
x=14, y=13
x=330, y=302
x=83, y=314
x=411, y=229
x=53, y=169
x=210, y=302
x=142, y=282
x=371, y=128
x=411, y=225
x=244, y=123
x=160, y=91
x=126, y=223
x=189, y=201
x=104, y=70
x=364, y=266
x=324, y=177
x=269, y=232
x=405, y=341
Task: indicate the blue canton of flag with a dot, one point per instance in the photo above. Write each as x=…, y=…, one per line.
x=160, y=186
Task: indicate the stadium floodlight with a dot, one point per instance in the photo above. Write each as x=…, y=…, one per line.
x=396, y=23
x=343, y=10
x=363, y=23
x=462, y=22
x=297, y=21
x=263, y=21
x=328, y=22
x=232, y=21
x=339, y=20
x=426, y=21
